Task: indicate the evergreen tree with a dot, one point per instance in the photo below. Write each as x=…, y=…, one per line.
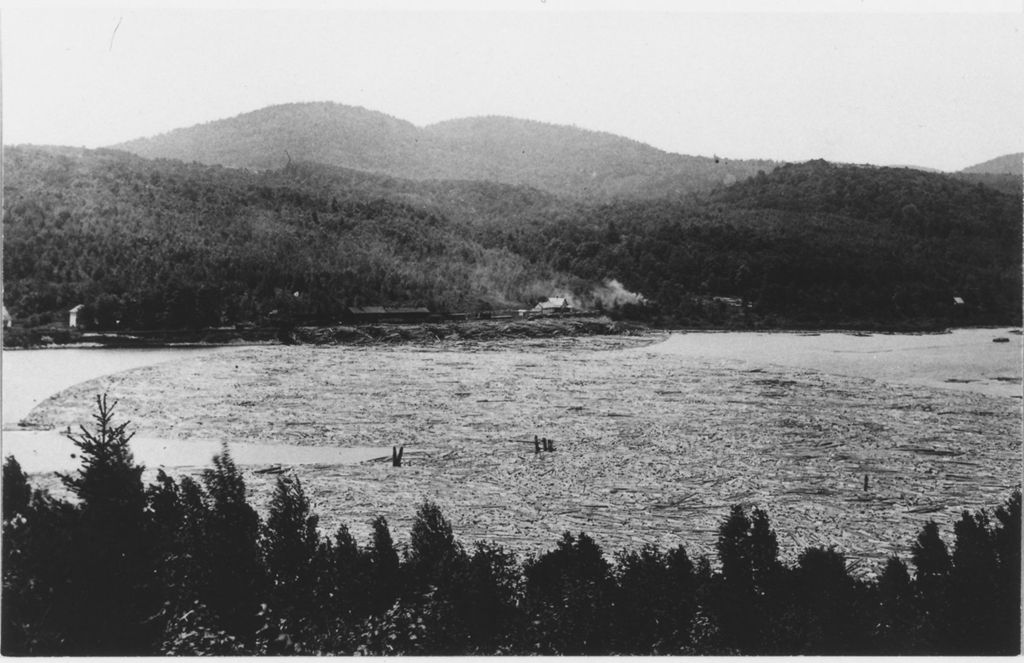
x=826, y=594
x=763, y=550
x=492, y=590
x=384, y=567
x=113, y=590
x=931, y=582
x=568, y=597
x=654, y=602
x=351, y=581
x=748, y=551
x=231, y=551
x=291, y=555
x=895, y=630
x=434, y=556
x=973, y=585
x=733, y=534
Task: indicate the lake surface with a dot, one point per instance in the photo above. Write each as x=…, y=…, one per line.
x=656, y=438
x=31, y=376
x=964, y=359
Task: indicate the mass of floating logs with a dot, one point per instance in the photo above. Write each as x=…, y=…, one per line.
x=703, y=436
x=474, y=330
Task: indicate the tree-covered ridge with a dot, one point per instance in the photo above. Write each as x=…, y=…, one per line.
x=188, y=567
x=269, y=138
x=1012, y=164
x=807, y=245
x=581, y=163
x=156, y=243
x=558, y=159
x=936, y=202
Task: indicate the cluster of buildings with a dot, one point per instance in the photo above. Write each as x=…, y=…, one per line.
x=375, y=314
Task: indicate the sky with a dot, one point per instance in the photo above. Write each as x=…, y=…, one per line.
x=910, y=87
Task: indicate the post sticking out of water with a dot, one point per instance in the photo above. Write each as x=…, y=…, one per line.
x=396, y=457
x=401, y=452
x=865, y=482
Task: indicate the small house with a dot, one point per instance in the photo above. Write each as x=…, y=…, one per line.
x=553, y=305
x=73, y=316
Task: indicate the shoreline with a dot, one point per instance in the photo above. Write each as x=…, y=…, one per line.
x=434, y=333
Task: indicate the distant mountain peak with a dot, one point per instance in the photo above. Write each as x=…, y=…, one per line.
x=1008, y=164
x=560, y=159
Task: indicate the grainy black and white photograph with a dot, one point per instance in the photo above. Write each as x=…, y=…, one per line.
x=534, y=327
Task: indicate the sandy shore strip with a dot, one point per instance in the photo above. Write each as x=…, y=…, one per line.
x=43, y=452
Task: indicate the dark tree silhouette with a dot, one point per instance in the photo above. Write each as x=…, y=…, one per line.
x=231, y=551
x=292, y=556
x=568, y=597
x=196, y=571
x=112, y=576
x=17, y=493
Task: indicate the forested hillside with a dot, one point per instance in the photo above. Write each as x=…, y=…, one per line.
x=559, y=159
x=269, y=138
x=1012, y=164
x=812, y=244
x=158, y=243
x=1005, y=173
x=572, y=161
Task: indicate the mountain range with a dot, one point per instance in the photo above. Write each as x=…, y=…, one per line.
x=563, y=160
x=308, y=209
x=1008, y=164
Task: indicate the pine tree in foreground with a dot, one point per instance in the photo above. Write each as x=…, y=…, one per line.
x=112, y=589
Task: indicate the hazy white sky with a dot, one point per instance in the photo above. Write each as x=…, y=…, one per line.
x=939, y=90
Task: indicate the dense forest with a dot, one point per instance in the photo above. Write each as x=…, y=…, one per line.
x=567, y=161
x=149, y=244
x=812, y=244
x=188, y=567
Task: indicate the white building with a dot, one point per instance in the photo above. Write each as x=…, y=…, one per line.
x=553, y=305
x=73, y=316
